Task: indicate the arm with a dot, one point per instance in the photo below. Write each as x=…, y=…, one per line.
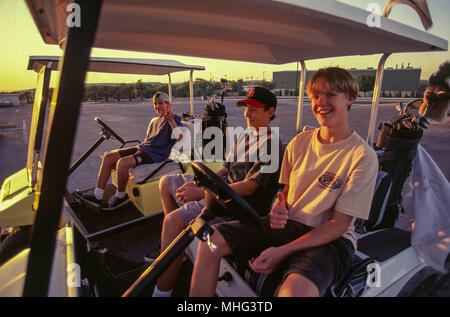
x=168, y=115
x=245, y=188
x=190, y=191
x=269, y=259
x=323, y=234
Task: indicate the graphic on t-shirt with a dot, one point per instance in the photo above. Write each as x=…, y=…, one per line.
x=330, y=181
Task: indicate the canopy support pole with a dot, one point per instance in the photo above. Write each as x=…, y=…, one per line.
x=63, y=121
x=191, y=92
x=170, y=88
x=376, y=98
x=301, y=97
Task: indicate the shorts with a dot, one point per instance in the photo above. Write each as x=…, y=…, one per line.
x=139, y=156
x=323, y=265
x=190, y=210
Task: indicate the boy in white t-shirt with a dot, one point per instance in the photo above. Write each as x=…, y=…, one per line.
x=329, y=178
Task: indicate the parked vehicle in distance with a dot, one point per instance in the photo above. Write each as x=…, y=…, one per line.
x=6, y=103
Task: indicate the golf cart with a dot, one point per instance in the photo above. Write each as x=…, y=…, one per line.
x=277, y=32
x=18, y=190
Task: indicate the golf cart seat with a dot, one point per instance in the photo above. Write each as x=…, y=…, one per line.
x=144, y=179
x=150, y=172
x=354, y=281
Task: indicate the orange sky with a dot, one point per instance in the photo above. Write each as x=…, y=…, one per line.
x=20, y=39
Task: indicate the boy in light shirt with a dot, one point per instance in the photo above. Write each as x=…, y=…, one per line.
x=329, y=177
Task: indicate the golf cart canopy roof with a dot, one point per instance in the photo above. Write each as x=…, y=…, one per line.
x=264, y=31
x=118, y=65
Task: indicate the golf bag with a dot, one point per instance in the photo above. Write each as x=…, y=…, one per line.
x=214, y=115
x=396, y=148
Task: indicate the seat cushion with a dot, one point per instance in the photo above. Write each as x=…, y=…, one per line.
x=379, y=203
x=149, y=172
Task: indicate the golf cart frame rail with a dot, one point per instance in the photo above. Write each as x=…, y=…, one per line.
x=79, y=42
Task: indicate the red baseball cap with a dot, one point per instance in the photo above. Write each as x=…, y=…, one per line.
x=258, y=97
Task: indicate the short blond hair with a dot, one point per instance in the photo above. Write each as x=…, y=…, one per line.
x=338, y=80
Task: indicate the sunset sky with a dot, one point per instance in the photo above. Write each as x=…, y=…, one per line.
x=20, y=38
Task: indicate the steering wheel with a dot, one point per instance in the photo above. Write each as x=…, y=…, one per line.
x=218, y=191
x=109, y=132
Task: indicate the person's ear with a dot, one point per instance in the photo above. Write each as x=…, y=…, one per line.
x=350, y=102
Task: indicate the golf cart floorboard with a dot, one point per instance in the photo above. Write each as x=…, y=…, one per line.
x=126, y=249
x=94, y=219
x=123, y=248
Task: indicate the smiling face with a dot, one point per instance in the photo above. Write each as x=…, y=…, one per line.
x=159, y=107
x=330, y=108
x=258, y=117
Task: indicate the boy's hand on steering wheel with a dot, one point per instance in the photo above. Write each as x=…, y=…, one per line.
x=189, y=192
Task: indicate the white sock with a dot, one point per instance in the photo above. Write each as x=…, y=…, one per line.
x=120, y=194
x=158, y=293
x=98, y=193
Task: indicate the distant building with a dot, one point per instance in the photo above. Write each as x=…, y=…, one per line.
x=396, y=81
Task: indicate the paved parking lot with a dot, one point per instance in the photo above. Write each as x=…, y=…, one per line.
x=130, y=120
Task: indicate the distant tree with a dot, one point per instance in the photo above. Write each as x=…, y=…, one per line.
x=92, y=92
x=120, y=91
x=106, y=92
x=28, y=96
x=181, y=90
x=440, y=78
x=366, y=82
x=161, y=87
x=130, y=88
x=140, y=88
x=149, y=91
x=201, y=87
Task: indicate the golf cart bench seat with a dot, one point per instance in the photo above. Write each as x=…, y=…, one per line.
x=144, y=179
x=354, y=281
x=150, y=172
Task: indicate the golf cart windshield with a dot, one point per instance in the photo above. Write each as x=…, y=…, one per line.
x=43, y=65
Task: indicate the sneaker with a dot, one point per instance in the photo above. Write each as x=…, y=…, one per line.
x=114, y=202
x=89, y=198
x=151, y=257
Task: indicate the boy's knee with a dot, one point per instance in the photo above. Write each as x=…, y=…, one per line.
x=164, y=184
x=296, y=285
x=174, y=220
x=126, y=162
x=111, y=158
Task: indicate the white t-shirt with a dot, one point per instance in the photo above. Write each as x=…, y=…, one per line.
x=327, y=177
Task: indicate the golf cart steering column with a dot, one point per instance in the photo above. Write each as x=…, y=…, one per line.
x=199, y=227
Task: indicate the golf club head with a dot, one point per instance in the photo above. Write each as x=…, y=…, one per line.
x=424, y=122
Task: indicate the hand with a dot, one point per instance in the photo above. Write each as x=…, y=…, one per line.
x=167, y=112
x=189, y=192
x=267, y=261
x=279, y=213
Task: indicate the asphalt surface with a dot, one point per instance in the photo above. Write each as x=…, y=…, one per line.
x=130, y=120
